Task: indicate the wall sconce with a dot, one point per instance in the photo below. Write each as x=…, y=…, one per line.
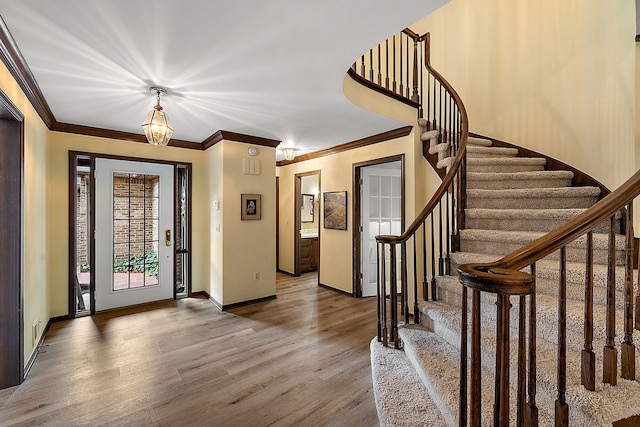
x=289, y=153
x=157, y=126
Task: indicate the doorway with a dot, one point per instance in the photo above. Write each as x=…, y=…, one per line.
x=379, y=209
x=11, y=257
x=307, y=222
x=131, y=232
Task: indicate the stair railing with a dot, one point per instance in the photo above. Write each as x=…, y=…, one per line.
x=427, y=240
x=505, y=279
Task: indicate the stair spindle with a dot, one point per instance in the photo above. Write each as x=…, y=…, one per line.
x=415, y=97
x=501, y=403
x=425, y=290
x=476, y=359
x=371, y=65
x=532, y=408
x=401, y=88
x=637, y=305
x=610, y=352
x=588, y=368
x=383, y=292
x=561, y=407
x=440, y=251
x=393, y=291
x=416, y=312
x=394, y=63
x=522, y=362
x=627, y=348
x=433, y=260
x=404, y=285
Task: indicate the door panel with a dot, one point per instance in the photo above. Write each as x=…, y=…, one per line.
x=381, y=214
x=11, y=329
x=134, y=233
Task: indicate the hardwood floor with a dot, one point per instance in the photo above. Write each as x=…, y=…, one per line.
x=301, y=359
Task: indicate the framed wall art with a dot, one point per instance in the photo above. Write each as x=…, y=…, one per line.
x=250, y=207
x=335, y=210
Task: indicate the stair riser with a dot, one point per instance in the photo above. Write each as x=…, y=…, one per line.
x=504, y=168
x=488, y=155
x=569, y=202
x=502, y=184
x=516, y=224
x=574, y=254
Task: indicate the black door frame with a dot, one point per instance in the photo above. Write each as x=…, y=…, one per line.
x=12, y=368
x=73, y=155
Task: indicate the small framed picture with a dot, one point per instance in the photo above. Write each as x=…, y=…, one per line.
x=250, y=207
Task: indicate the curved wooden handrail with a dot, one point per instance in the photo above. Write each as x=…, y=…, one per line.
x=453, y=170
x=505, y=270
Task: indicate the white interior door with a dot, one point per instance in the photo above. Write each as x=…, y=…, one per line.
x=381, y=214
x=134, y=233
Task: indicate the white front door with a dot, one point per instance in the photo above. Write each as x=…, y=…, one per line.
x=134, y=233
x=381, y=213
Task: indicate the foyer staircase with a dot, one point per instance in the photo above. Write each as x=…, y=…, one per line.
x=511, y=201
x=511, y=297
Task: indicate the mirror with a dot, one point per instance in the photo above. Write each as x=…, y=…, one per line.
x=306, y=208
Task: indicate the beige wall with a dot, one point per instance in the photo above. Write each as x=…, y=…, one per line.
x=35, y=227
x=248, y=247
x=556, y=77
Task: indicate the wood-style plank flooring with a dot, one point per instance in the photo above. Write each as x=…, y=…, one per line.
x=299, y=360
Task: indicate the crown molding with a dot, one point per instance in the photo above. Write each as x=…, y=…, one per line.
x=17, y=66
x=238, y=137
x=370, y=140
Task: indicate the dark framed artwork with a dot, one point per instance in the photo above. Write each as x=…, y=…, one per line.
x=250, y=207
x=335, y=210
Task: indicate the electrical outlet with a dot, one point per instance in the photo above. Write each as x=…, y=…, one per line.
x=256, y=276
x=35, y=331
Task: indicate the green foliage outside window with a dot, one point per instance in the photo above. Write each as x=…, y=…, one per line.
x=144, y=262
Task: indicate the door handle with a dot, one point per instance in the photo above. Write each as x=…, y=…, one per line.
x=167, y=235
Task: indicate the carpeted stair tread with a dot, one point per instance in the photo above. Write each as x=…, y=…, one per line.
x=530, y=179
x=428, y=135
x=586, y=407
x=401, y=399
x=543, y=220
x=439, y=148
x=438, y=365
x=474, y=140
x=533, y=198
x=478, y=151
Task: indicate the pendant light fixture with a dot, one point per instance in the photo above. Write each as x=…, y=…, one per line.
x=157, y=126
x=289, y=153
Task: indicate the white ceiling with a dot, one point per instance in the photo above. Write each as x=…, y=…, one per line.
x=269, y=69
